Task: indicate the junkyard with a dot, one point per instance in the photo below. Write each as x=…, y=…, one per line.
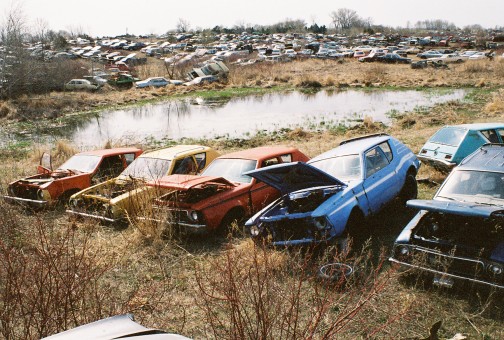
x=253, y=184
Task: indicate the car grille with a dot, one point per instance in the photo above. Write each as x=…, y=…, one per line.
x=21, y=191
x=449, y=263
x=288, y=230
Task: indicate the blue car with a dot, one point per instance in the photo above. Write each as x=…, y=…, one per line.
x=329, y=197
x=458, y=235
x=451, y=144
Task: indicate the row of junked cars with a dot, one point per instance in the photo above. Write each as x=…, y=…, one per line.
x=292, y=200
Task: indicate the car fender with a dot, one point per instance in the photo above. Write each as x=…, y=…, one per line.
x=341, y=208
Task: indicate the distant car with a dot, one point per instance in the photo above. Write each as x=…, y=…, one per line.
x=49, y=187
x=153, y=81
x=328, y=198
x=449, y=58
x=222, y=194
x=359, y=54
x=393, y=58
x=80, y=84
x=452, y=143
x=458, y=236
x=201, y=80
x=290, y=53
x=429, y=54
x=122, y=197
x=479, y=56
x=115, y=327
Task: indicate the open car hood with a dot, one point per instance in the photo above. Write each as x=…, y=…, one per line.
x=186, y=182
x=457, y=208
x=289, y=177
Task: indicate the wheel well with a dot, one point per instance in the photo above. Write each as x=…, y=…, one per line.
x=412, y=171
x=65, y=196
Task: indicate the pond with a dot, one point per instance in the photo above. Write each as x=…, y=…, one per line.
x=238, y=117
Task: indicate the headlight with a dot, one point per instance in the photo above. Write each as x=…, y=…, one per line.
x=254, y=231
x=402, y=251
x=194, y=216
x=320, y=223
x=495, y=269
x=40, y=194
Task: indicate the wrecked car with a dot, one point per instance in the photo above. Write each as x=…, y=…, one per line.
x=115, y=200
x=49, y=186
x=115, y=327
x=458, y=236
x=328, y=198
x=222, y=194
x=452, y=143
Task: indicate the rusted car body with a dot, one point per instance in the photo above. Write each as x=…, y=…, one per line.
x=119, y=198
x=222, y=194
x=49, y=186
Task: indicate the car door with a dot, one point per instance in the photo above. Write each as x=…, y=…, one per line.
x=380, y=183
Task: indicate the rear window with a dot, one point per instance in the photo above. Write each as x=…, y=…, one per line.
x=449, y=136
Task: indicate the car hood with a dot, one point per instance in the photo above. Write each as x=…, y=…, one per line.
x=186, y=182
x=457, y=208
x=289, y=177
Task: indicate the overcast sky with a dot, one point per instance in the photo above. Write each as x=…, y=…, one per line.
x=105, y=17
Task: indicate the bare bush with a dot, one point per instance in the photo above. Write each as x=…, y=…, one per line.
x=255, y=293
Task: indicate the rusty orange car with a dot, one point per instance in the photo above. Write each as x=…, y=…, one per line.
x=222, y=194
x=49, y=186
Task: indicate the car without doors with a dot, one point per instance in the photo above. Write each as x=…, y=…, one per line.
x=49, y=186
x=119, y=198
x=328, y=198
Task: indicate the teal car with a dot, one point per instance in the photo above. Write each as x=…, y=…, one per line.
x=452, y=143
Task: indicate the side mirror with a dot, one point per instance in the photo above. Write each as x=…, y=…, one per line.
x=46, y=161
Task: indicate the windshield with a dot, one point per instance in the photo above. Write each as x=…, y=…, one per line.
x=474, y=186
x=147, y=168
x=344, y=167
x=231, y=169
x=449, y=136
x=82, y=163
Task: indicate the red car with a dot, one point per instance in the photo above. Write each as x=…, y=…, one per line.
x=49, y=186
x=222, y=194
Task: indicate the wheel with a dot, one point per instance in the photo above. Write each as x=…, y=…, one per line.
x=357, y=229
x=231, y=221
x=409, y=190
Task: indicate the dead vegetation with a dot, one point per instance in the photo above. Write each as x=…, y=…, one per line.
x=56, y=274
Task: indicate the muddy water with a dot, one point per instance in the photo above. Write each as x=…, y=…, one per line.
x=242, y=117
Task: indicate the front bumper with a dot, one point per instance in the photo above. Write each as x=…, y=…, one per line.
x=445, y=274
x=94, y=216
x=26, y=201
x=189, y=228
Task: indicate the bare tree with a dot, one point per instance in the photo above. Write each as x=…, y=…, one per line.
x=344, y=18
x=183, y=25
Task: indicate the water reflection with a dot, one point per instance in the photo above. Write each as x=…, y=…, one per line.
x=239, y=117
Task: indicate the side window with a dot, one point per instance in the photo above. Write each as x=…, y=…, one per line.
x=269, y=162
x=491, y=135
x=501, y=134
x=110, y=167
x=129, y=157
x=200, y=160
x=287, y=158
x=185, y=166
x=375, y=161
x=387, y=151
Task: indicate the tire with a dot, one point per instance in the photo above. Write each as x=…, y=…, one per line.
x=233, y=218
x=357, y=229
x=409, y=190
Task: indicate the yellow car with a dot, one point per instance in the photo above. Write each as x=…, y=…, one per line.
x=117, y=199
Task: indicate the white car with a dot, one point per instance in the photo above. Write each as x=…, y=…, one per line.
x=153, y=81
x=290, y=53
x=80, y=84
x=448, y=58
x=478, y=56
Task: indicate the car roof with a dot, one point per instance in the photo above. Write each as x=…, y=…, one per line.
x=175, y=151
x=478, y=126
x=354, y=146
x=110, y=152
x=489, y=157
x=260, y=152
